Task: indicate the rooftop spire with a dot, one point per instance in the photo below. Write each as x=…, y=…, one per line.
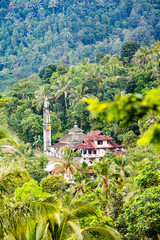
x=75, y=125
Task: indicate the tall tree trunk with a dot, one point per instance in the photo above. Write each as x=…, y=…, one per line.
x=65, y=99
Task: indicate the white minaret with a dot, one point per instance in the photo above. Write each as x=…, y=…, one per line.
x=46, y=126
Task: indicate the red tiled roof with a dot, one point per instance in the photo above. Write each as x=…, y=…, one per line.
x=87, y=145
x=119, y=153
x=115, y=145
x=56, y=169
x=91, y=145
x=96, y=135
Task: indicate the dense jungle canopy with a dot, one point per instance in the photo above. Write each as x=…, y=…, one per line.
x=34, y=33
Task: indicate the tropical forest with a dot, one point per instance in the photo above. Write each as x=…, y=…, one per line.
x=97, y=64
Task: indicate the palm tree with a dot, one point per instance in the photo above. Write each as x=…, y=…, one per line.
x=102, y=171
x=81, y=184
x=145, y=52
x=106, y=232
x=77, y=94
x=112, y=66
x=62, y=87
x=7, y=136
x=122, y=165
x=37, y=231
x=14, y=218
x=66, y=224
x=130, y=189
x=40, y=96
x=23, y=151
x=53, y=4
x=99, y=73
x=148, y=121
x=8, y=181
x=67, y=164
x=106, y=177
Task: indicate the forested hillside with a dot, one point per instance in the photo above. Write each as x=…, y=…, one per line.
x=117, y=195
x=34, y=33
x=22, y=104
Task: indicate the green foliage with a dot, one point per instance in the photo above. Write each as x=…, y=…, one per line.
x=118, y=187
x=41, y=33
x=7, y=136
x=40, y=96
x=47, y=72
x=129, y=48
x=36, y=167
x=150, y=175
x=29, y=123
x=129, y=139
x=76, y=154
x=22, y=104
x=116, y=205
x=70, y=217
x=61, y=69
x=99, y=56
x=9, y=179
x=142, y=217
x=30, y=191
x=55, y=122
x=31, y=126
x=14, y=220
x=24, y=156
x=53, y=183
x=129, y=107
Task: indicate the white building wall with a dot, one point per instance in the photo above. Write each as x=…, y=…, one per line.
x=99, y=153
x=105, y=143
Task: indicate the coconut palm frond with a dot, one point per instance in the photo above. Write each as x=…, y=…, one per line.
x=106, y=232
x=66, y=223
x=7, y=136
x=14, y=219
x=82, y=210
x=76, y=229
x=9, y=179
x=8, y=237
x=40, y=96
x=37, y=231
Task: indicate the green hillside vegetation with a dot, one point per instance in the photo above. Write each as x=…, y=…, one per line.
x=22, y=104
x=36, y=33
x=123, y=198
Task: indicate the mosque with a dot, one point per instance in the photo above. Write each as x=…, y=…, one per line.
x=92, y=146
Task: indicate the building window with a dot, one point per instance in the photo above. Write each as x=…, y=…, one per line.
x=94, y=151
x=89, y=151
x=99, y=142
x=84, y=152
